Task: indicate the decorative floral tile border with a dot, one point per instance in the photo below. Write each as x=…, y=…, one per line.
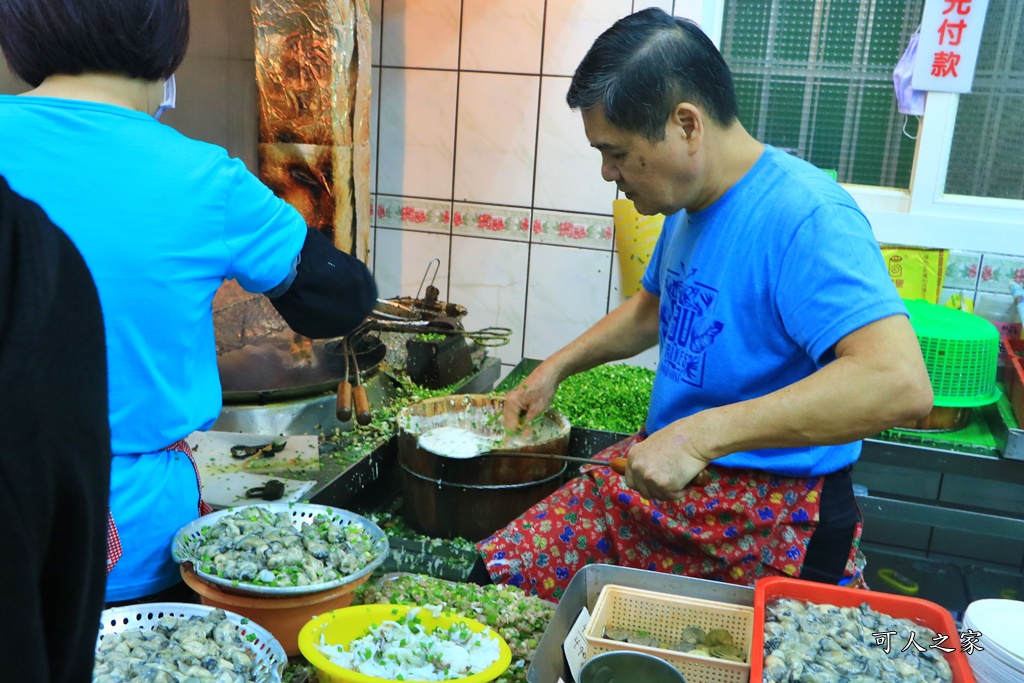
x=997, y=272
x=579, y=230
x=962, y=270
x=410, y=213
x=491, y=221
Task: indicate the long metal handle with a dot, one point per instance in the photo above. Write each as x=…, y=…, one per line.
x=343, y=405
x=618, y=465
x=362, y=405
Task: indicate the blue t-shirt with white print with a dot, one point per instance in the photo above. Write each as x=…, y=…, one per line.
x=755, y=291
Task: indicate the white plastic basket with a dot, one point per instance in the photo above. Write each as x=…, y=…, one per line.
x=268, y=657
x=664, y=617
x=190, y=538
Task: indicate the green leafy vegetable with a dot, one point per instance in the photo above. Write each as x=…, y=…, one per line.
x=611, y=398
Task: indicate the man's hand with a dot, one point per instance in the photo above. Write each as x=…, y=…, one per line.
x=663, y=465
x=531, y=398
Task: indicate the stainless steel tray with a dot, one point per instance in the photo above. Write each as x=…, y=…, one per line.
x=189, y=538
x=549, y=662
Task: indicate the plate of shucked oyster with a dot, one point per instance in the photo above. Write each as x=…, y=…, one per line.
x=280, y=549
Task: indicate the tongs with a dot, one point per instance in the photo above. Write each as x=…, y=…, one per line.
x=486, y=336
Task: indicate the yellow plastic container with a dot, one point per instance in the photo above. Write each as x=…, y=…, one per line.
x=342, y=626
x=918, y=273
x=635, y=237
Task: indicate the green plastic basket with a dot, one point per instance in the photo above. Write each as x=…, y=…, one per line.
x=961, y=353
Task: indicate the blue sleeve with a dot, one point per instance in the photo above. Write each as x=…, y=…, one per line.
x=833, y=281
x=262, y=232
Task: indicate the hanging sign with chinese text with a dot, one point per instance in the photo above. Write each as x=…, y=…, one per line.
x=947, y=52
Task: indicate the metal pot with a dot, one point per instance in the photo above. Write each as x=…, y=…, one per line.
x=940, y=419
x=472, y=499
x=626, y=667
x=277, y=369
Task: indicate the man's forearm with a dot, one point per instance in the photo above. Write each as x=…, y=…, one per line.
x=879, y=384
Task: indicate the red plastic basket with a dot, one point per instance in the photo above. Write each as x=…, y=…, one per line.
x=1014, y=377
x=921, y=611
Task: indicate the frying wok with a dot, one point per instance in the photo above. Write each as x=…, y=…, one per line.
x=261, y=360
x=286, y=366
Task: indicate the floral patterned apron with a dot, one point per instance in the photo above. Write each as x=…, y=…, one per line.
x=743, y=525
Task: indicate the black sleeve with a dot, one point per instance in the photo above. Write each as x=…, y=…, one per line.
x=54, y=483
x=331, y=294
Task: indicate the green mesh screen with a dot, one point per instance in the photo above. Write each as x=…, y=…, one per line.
x=814, y=77
x=987, y=157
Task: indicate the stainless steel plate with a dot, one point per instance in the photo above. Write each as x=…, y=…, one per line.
x=190, y=537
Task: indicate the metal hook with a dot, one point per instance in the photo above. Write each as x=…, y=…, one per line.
x=437, y=266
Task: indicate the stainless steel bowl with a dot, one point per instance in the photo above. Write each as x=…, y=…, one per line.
x=625, y=667
x=190, y=537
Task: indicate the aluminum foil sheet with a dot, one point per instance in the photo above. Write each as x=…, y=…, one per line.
x=313, y=76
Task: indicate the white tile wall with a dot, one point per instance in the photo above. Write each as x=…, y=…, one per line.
x=570, y=229
x=502, y=35
x=568, y=168
x=376, y=11
x=9, y=83
x=402, y=258
x=420, y=33
x=496, y=136
x=567, y=294
x=498, y=222
x=486, y=125
x=664, y=5
x=417, y=132
x=571, y=28
x=488, y=277
x=374, y=124
x=692, y=9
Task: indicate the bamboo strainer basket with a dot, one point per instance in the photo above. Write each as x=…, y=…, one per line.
x=664, y=617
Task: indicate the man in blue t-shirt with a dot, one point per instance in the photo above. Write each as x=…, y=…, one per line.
x=782, y=340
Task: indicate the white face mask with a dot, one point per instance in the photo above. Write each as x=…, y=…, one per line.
x=170, y=91
x=908, y=100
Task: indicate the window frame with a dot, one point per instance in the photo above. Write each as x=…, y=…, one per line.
x=924, y=215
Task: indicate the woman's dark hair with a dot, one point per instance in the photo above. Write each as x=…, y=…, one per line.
x=143, y=39
x=646, y=64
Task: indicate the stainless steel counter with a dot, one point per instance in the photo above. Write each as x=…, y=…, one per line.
x=913, y=506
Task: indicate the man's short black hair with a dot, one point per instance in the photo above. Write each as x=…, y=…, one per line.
x=647, y=63
x=143, y=39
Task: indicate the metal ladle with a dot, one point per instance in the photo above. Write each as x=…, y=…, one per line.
x=462, y=444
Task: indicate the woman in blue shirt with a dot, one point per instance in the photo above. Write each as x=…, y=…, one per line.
x=161, y=221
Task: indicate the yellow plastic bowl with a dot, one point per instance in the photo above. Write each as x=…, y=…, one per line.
x=342, y=626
